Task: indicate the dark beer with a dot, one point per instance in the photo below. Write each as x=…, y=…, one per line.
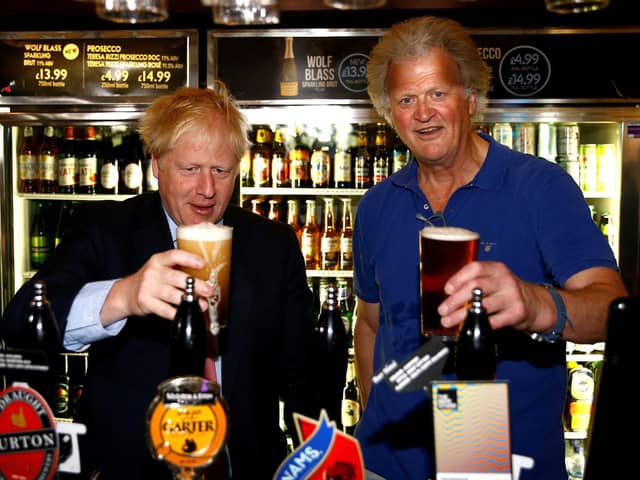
x=443, y=251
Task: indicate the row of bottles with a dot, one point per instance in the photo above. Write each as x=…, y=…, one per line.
x=340, y=156
x=325, y=246
x=592, y=165
x=83, y=160
x=335, y=372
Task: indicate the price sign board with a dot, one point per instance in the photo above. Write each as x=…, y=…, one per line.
x=328, y=64
x=526, y=65
x=46, y=64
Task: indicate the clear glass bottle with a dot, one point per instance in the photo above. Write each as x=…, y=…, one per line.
x=346, y=236
x=329, y=240
x=310, y=239
x=67, y=164
x=47, y=161
x=293, y=217
x=321, y=159
x=261, y=156
x=300, y=161
x=362, y=160
x=87, y=159
x=279, y=162
x=381, y=158
x=28, y=162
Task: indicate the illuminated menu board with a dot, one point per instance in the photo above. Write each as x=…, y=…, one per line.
x=84, y=67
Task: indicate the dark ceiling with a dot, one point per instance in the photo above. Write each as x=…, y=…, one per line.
x=74, y=14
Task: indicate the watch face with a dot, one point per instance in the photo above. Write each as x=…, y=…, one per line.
x=187, y=423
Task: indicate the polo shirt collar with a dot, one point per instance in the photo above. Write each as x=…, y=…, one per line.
x=491, y=175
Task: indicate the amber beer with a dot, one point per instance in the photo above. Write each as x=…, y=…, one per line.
x=443, y=251
x=213, y=243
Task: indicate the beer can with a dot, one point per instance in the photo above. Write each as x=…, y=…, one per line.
x=588, y=167
x=503, y=133
x=547, y=141
x=568, y=139
x=525, y=138
x=606, y=167
x=571, y=165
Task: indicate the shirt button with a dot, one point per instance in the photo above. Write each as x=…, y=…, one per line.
x=426, y=206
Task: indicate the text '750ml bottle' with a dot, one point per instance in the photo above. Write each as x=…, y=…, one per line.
x=188, y=348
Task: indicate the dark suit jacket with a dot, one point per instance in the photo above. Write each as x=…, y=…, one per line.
x=264, y=349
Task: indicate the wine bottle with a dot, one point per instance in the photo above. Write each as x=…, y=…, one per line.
x=47, y=161
x=330, y=354
x=28, y=162
x=67, y=165
x=40, y=236
x=475, y=350
x=289, y=77
x=87, y=158
x=188, y=347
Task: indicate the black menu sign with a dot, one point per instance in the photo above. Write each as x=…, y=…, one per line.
x=331, y=66
x=86, y=67
x=525, y=65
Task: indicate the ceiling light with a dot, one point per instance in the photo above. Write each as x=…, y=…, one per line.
x=245, y=12
x=575, y=6
x=132, y=11
x=355, y=4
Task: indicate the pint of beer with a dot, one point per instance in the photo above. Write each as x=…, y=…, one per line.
x=443, y=251
x=213, y=243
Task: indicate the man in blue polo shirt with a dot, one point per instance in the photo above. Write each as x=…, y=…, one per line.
x=547, y=273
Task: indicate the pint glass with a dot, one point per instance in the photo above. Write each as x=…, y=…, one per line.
x=443, y=251
x=213, y=243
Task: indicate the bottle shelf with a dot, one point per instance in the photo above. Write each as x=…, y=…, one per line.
x=356, y=192
x=330, y=273
x=72, y=196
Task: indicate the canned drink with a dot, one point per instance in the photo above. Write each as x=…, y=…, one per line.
x=547, y=141
x=588, y=167
x=503, y=133
x=525, y=138
x=571, y=165
x=606, y=167
x=568, y=139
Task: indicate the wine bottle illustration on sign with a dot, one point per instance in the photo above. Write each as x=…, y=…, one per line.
x=289, y=77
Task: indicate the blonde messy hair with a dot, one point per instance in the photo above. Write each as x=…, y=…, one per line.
x=189, y=109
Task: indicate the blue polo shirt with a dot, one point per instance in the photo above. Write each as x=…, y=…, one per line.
x=532, y=216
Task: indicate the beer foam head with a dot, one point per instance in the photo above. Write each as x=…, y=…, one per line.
x=449, y=234
x=204, y=231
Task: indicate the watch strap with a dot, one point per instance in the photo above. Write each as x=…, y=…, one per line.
x=556, y=333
